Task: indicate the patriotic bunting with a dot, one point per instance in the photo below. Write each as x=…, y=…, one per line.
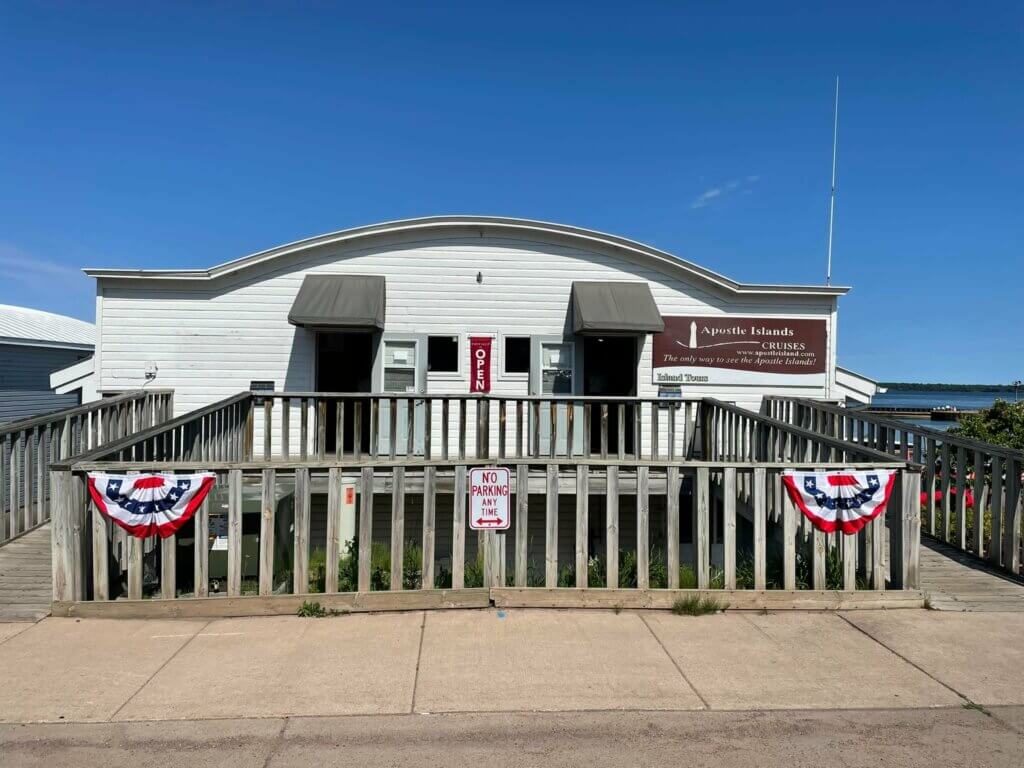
x=149, y=504
x=840, y=500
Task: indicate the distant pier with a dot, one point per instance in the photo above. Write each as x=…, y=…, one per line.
x=948, y=413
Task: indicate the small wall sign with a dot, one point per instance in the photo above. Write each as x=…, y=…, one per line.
x=489, y=499
x=480, y=364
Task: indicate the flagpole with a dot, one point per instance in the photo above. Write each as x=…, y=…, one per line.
x=832, y=197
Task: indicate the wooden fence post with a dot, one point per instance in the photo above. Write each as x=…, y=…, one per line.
x=904, y=515
x=234, y=573
x=1013, y=512
x=66, y=530
x=300, y=563
x=912, y=529
x=582, y=524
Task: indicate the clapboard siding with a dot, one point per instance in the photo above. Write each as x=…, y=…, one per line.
x=210, y=338
x=25, y=380
x=23, y=404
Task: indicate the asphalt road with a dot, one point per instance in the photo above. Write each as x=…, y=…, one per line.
x=953, y=736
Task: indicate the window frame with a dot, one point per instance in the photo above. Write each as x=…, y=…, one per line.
x=458, y=372
x=417, y=345
x=537, y=345
x=517, y=375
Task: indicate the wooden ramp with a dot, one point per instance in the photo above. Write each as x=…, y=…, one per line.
x=957, y=581
x=25, y=591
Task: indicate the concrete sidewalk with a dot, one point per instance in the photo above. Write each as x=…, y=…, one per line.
x=94, y=670
x=267, y=681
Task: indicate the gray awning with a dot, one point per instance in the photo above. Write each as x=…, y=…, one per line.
x=352, y=302
x=606, y=307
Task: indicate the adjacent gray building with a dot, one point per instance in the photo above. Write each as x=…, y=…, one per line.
x=34, y=344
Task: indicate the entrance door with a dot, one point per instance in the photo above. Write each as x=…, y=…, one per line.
x=553, y=374
x=610, y=370
x=404, y=371
x=344, y=363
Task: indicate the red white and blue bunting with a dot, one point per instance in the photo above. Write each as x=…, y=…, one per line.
x=841, y=500
x=148, y=504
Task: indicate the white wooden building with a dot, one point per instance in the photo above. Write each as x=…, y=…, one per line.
x=208, y=333
x=402, y=307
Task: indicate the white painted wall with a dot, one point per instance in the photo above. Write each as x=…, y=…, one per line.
x=209, y=338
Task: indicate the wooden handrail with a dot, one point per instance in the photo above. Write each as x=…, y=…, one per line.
x=807, y=434
x=157, y=431
x=79, y=410
x=171, y=466
x=30, y=448
x=472, y=397
x=904, y=426
x=954, y=468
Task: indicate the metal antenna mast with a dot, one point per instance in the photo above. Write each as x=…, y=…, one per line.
x=832, y=198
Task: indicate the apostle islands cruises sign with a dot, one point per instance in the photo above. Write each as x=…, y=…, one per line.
x=740, y=350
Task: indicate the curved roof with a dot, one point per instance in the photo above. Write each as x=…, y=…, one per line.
x=21, y=325
x=662, y=260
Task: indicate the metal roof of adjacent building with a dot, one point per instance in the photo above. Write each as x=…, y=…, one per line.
x=21, y=325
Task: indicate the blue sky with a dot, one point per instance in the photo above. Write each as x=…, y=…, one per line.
x=148, y=135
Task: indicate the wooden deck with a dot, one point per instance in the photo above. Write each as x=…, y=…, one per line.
x=958, y=581
x=25, y=591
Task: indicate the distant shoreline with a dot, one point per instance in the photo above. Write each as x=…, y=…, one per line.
x=903, y=386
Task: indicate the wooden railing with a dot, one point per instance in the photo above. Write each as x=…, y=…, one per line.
x=971, y=491
x=30, y=446
x=319, y=427
x=221, y=431
x=307, y=425
x=642, y=527
x=736, y=434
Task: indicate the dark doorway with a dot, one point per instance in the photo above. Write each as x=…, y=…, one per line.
x=609, y=370
x=344, y=363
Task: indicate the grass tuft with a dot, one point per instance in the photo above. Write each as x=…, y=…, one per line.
x=695, y=605
x=311, y=610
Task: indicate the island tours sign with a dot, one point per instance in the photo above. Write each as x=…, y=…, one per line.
x=740, y=350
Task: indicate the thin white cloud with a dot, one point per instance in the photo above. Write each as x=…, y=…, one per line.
x=16, y=264
x=708, y=196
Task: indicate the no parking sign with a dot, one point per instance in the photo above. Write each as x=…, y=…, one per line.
x=488, y=499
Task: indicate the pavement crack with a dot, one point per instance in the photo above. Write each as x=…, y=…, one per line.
x=19, y=633
x=760, y=629
x=275, y=748
x=419, y=656
x=158, y=670
x=899, y=655
x=675, y=664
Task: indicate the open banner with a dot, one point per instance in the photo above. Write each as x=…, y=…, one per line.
x=842, y=500
x=149, y=504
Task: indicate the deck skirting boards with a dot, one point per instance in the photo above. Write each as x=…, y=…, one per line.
x=510, y=597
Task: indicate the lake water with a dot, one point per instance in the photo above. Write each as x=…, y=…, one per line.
x=936, y=398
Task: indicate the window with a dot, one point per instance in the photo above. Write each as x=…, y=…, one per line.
x=443, y=354
x=517, y=354
x=399, y=366
x=556, y=369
